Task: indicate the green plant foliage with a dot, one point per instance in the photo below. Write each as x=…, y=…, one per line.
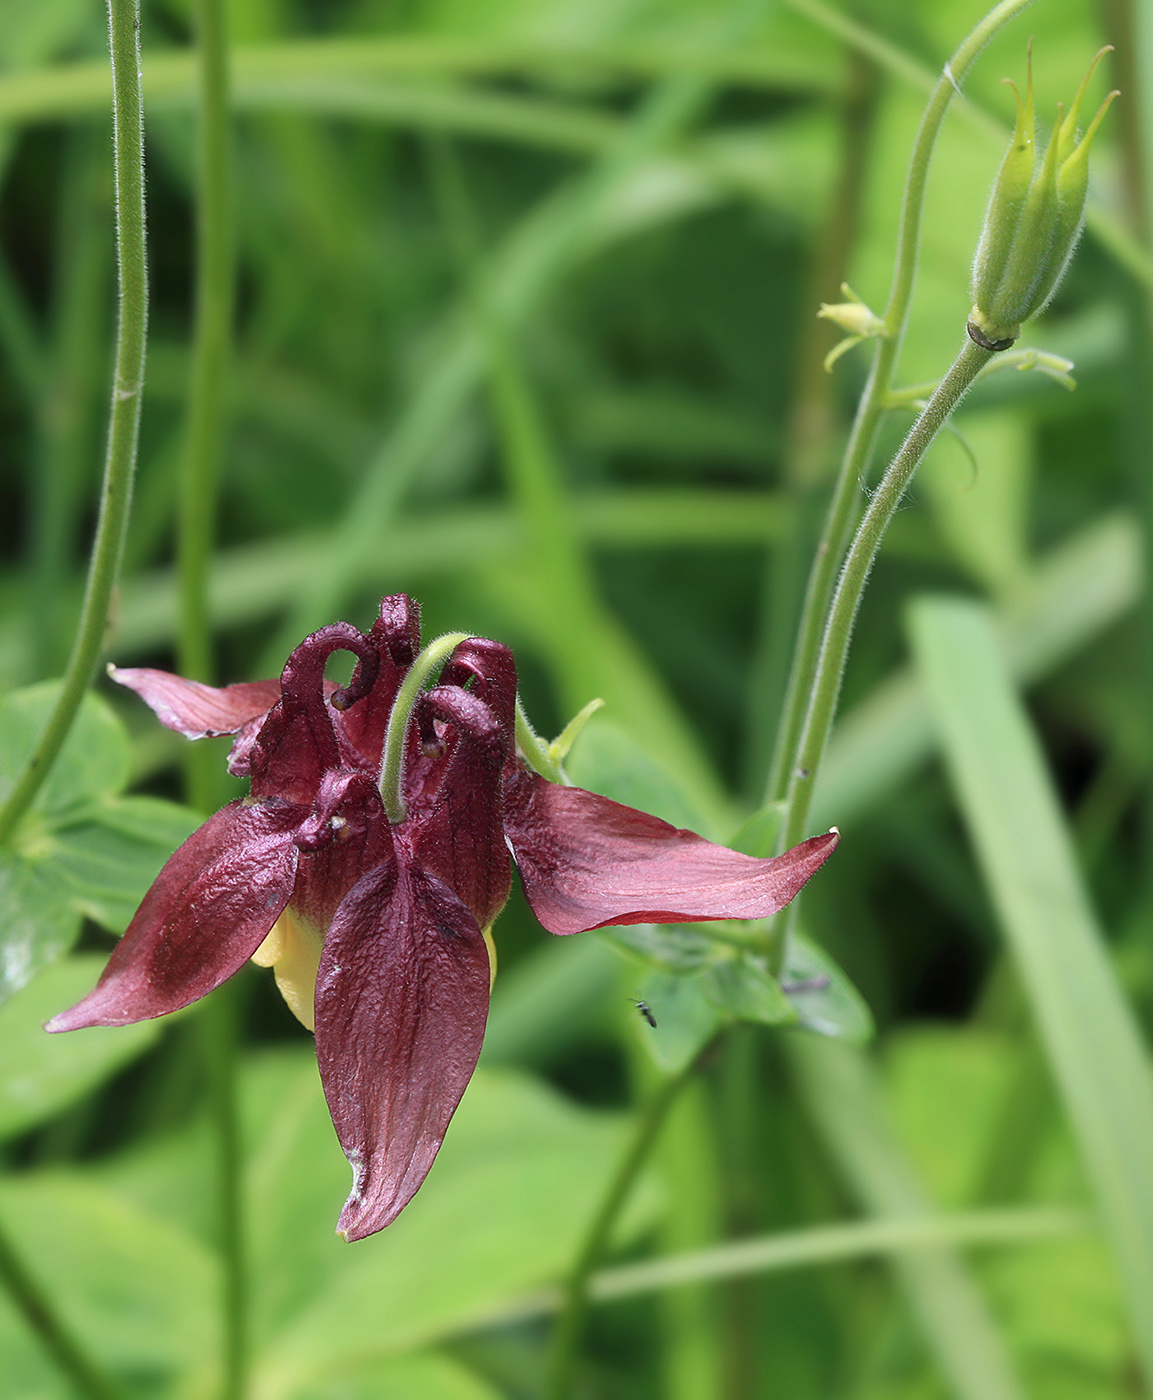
x=525, y=325
x=39, y=1076
x=82, y=849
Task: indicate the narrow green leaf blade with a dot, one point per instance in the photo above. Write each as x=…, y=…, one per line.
x=1087, y=1027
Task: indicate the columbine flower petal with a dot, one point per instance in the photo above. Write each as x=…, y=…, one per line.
x=198, y=711
x=401, y=1003
x=586, y=862
x=369, y=905
x=210, y=909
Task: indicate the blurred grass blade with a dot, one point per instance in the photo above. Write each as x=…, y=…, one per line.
x=840, y=1090
x=1088, y=1029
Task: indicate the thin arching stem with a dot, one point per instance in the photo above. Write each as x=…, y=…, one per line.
x=862, y=439
x=124, y=415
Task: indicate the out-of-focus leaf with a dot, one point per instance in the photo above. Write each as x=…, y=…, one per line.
x=137, y=1292
x=39, y=1073
x=501, y=1213
x=419, y=1377
x=94, y=760
x=39, y=921
x=825, y=1000
x=1089, y=1031
x=112, y=859
x=741, y=989
x=687, y=1018
x=550, y=999
x=80, y=849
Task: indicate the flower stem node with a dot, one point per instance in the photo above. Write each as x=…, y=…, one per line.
x=852, y=316
x=369, y=861
x=1035, y=215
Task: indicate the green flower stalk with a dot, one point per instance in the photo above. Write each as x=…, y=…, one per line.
x=1034, y=220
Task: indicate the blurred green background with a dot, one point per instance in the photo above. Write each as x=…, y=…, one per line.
x=526, y=326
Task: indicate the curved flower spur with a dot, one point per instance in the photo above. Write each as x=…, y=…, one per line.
x=368, y=863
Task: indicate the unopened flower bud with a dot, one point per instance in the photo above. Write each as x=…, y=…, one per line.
x=1033, y=222
x=853, y=316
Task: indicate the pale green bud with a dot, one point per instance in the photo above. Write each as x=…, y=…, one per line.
x=1033, y=222
x=853, y=316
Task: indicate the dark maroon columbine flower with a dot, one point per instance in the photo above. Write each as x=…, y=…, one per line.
x=374, y=910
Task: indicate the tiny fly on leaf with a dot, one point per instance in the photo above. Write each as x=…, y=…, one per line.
x=646, y=1011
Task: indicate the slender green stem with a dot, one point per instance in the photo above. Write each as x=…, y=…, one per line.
x=199, y=472
x=212, y=335
x=217, y=1027
x=566, y=1335
x=35, y=1305
x=392, y=762
x=826, y=682
x=862, y=439
x=124, y=418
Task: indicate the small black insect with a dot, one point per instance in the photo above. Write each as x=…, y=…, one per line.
x=646, y=1011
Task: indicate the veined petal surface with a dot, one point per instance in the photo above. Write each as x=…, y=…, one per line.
x=209, y=910
x=401, y=1004
x=196, y=710
x=587, y=862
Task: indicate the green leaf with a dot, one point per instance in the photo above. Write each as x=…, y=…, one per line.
x=40, y=921
x=1088, y=1028
x=111, y=860
x=93, y=762
x=825, y=1000
x=679, y=948
x=687, y=1018
x=81, y=849
x=426, y=1376
x=501, y=1213
x=741, y=989
x=138, y=1293
x=41, y=1074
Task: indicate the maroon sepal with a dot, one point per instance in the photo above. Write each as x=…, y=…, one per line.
x=586, y=862
x=198, y=711
x=211, y=907
x=454, y=824
x=401, y=1003
x=297, y=743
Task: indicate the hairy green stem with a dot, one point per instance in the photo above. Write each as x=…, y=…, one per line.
x=392, y=760
x=212, y=334
x=862, y=439
x=830, y=664
x=566, y=1335
x=35, y=1306
x=124, y=417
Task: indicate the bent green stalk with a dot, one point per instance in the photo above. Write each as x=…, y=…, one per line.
x=124, y=415
x=830, y=664
x=392, y=761
x=862, y=439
